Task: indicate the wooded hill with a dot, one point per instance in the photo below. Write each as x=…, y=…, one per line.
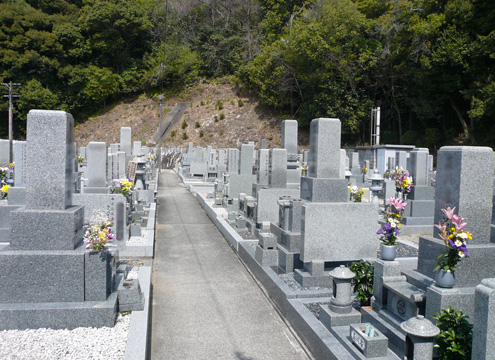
x=429, y=62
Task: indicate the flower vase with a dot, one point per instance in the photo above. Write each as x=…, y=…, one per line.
x=388, y=252
x=445, y=278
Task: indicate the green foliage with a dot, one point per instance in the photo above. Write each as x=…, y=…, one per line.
x=184, y=136
x=455, y=339
x=219, y=105
x=240, y=103
x=201, y=133
x=197, y=124
x=222, y=116
x=363, y=281
x=173, y=133
x=184, y=124
x=410, y=137
x=215, y=118
x=221, y=132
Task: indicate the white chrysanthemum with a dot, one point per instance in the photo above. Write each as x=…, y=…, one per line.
x=458, y=243
x=461, y=254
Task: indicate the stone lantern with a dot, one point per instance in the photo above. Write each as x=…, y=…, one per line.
x=420, y=338
x=376, y=185
x=348, y=175
x=340, y=312
x=341, y=301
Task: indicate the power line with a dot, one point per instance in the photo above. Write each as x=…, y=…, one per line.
x=11, y=117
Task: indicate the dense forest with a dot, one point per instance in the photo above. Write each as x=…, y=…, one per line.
x=430, y=63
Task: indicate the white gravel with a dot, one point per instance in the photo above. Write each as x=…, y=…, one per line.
x=137, y=240
x=77, y=344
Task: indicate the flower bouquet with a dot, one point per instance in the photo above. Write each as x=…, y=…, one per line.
x=403, y=181
x=98, y=234
x=455, y=239
x=356, y=193
x=123, y=187
x=390, y=230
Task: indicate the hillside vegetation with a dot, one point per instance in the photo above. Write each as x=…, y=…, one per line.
x=429, y=62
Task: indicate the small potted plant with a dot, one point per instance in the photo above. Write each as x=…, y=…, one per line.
x=363, y=281
x=356, y=193
x=389, y=231
x=455, y=240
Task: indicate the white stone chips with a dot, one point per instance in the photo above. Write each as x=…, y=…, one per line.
x=80, y=343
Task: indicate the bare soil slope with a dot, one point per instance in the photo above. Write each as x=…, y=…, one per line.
x=219, y=116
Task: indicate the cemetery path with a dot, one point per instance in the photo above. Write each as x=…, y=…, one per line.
x=205, y=304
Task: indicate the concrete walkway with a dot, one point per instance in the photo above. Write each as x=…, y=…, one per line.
x=205, y=303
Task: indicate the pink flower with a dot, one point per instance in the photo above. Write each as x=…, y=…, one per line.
x=397, y=203
x=458, y=222
x=449, y=212
x=442, y=227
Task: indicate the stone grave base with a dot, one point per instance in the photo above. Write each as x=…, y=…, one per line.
x=288, y=261
x=461, y=299
x=266, y=257
x=59, y=315
x=307, y=280
x=332, y=319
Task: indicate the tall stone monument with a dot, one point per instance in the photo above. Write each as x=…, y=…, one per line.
x=46, y=276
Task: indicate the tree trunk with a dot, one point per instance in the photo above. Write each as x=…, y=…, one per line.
x=465, y=128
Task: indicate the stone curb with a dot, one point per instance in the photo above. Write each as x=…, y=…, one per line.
x=137, y=337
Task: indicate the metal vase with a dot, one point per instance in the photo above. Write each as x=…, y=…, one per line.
x=445, y=278
x=388, y=252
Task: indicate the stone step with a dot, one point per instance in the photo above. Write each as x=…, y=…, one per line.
x=408, y=291
x=389, y=325
x=417, y=279
x=342, y=334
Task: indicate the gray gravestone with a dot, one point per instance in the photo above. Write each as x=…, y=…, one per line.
x=264, y=144
x=278, y=168
x=246, y=161
x=115, y=166
x=289, y=136
x=401, y=160
x=126, y=140
x=114, y=148
x=97, y=164
x=136, y=148
x=419, y=166
x=264, y=167
x=122, y=164
x=324, y=148
x=323, y=183
x=484, y=321
x=20, y=163
x=4, y=152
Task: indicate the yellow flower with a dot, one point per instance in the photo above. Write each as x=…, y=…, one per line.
x=5, y=189
x=11, y=165
x=101, y=235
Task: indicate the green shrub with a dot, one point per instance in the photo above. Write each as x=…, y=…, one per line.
x=210, y=135
x=197, y=124
x=173, y=133
x=219, y=105
x=410, y=137
x=456, y=335
x=363, y=281
x=270, y=137
x=202, y=103
x=184, y=124
x=201, y=133
x=184, y=136
x=240, y=103
x=222, y=116
x=433, y=137
x=216, y=118
x=221, y=132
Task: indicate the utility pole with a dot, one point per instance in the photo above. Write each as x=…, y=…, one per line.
x=11, y=118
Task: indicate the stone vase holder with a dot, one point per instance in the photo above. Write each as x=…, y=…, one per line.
x=368, y=340
x=388, y=252
x=445, y=278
